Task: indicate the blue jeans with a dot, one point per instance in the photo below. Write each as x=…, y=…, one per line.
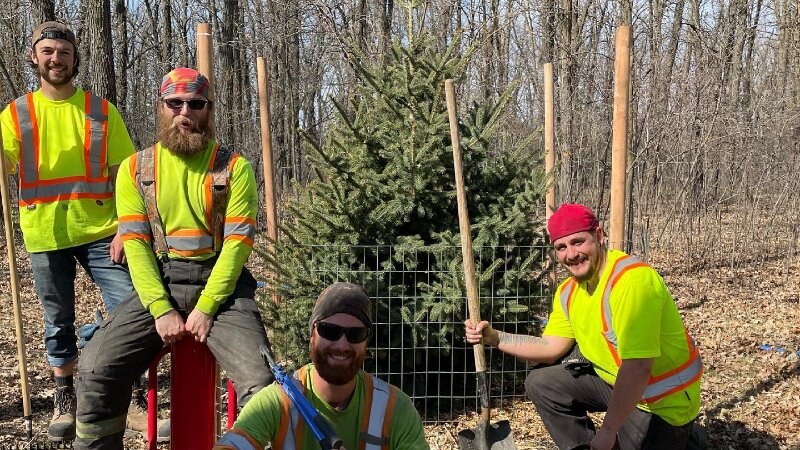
x=54, y=279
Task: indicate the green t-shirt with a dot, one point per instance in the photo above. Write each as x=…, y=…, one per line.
x=262, y=414
x=182, y=189
x=647, y=323
x=61, y=128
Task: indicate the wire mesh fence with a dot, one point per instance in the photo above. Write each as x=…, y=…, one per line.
x=419, y=306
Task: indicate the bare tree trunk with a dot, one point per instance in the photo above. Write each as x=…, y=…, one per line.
x=98, y=41
x=166, y=39
x=121, y=16
x=566, y=90
x=42, y=11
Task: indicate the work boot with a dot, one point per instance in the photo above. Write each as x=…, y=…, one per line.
x=62, y=426
x=137, y=418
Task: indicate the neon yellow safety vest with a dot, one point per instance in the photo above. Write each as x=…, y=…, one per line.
x=659, y=386
x=94, y=184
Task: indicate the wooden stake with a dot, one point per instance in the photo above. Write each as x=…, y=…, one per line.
x=550, y=161
x=205, y=64
x=266, y=156
x=11, y=251
x=619, y=137
x=549, y=140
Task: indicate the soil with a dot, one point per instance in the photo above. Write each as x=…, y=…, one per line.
x=745, y=320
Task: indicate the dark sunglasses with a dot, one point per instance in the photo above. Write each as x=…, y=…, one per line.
x=195, y=104
x=333, y=332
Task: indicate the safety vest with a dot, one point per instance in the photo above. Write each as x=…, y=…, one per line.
x=217, y=186
x=94, y=183
x=659, y=386
x=379, y=404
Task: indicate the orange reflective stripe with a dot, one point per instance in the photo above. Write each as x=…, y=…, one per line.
x=93, y=184
x=28, y=131
x=362, y=444
x=240, y=229
x=209, y=185
x=566, y=296
x=283, y=425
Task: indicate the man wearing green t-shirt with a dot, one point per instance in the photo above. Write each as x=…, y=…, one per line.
x=68, y=144
x=634, y=359
x=364, y=411
x=187, y=209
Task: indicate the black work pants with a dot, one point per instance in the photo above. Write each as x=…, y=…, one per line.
x=563, y=398
x=127, y=342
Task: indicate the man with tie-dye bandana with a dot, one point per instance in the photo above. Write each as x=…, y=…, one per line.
x=187, y=209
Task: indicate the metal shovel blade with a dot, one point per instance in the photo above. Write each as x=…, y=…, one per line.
x=487, y=436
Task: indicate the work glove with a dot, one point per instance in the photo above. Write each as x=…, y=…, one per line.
x=86, y=332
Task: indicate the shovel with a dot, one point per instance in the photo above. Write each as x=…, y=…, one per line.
x=486, y=436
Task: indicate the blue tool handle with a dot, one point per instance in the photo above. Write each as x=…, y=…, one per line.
x=319, y=427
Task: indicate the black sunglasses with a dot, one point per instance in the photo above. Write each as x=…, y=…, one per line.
x=333, y=332
x=195, y=104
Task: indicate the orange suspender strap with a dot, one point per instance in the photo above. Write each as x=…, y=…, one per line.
x=146, y=177
x=283, y=425
x=365, y=410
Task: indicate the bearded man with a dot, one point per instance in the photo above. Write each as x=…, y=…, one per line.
x=69, y=144
x=364, y=411
x=187, y=209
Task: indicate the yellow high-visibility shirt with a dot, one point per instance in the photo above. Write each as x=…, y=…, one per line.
x=181, y=190
x=647, y=324
x=61, y=124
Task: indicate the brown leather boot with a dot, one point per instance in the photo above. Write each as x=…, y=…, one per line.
x=137, y=418
x=62, y=425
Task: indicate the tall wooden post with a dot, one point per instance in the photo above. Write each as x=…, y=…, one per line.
x=16, y=306
x=266, y=156
x=550, y=158
x=619, y=137
x=205, y=64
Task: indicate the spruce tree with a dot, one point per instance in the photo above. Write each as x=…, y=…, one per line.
x=384, y=177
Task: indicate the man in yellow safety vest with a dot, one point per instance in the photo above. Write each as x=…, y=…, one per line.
x=634, y=359
x=68, y=144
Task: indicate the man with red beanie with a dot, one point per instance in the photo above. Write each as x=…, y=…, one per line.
x=614, y=342
x=187, y=209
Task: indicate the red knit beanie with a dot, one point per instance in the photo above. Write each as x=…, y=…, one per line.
x=570, y=218
x=184, y=80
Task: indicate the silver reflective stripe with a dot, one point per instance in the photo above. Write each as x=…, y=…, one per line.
x=621, y=265
x=97, y=119
x=676, y=380
x=381, y=391
x=240, y=229
x=27, y=146
x=72, y=187
x=236, y=441
x=189, y=243
x=564, y=297
x=134, y=226
x=294, y=417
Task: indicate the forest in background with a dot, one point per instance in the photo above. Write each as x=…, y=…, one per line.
x=715, y=93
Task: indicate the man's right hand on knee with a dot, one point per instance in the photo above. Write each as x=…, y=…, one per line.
x=170, y=327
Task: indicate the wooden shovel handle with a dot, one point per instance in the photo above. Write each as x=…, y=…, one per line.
x=463, y=224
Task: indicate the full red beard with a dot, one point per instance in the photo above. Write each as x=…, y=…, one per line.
x=181, y=142
x=336, y=374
